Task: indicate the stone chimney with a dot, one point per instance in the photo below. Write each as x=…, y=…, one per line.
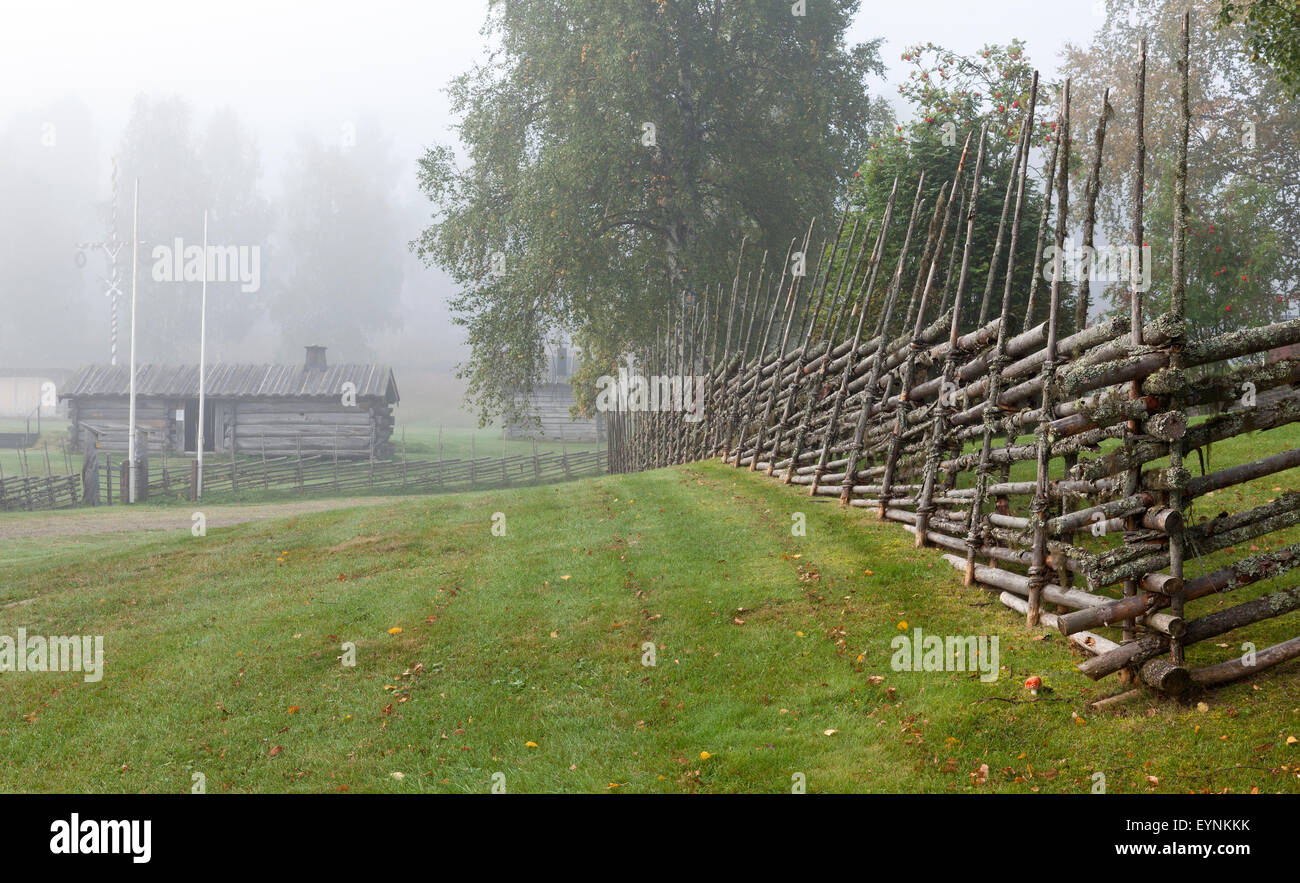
x=315, y=358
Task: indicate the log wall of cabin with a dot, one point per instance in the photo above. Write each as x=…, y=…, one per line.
x=320, y=426
x=249, y=426
x=110, y=415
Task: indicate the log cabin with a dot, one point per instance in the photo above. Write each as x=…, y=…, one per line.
x=248, y=409
x=549, y=404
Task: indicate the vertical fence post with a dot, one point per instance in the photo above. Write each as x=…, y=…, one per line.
x=90, y=468
x=1174, y=498
x=141, y=467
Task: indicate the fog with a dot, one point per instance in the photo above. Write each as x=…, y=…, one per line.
x=272, y=117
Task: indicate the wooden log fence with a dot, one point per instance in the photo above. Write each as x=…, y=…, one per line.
x=1019, y=448
x=311, y=474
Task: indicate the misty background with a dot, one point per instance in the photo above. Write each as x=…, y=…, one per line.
x=297, y=127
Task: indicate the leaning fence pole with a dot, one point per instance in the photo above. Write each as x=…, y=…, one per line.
x=914, y=350
x=817, y=390
x=988, y=415
x=835, y=309
x=850, y=358
x=867, y=398
x=717, y=425
x=1041, y=501
x=737, y=430
x=777, y=310
x=1091, y=191
x=778, y=369
x=985, y=302
x=944, y=303
x=742, y=362
x=947, y=398
x=1048, y=177
x=1133, y=477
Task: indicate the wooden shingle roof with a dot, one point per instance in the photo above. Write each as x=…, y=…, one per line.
x=229, y=381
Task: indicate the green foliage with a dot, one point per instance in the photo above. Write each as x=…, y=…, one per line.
x=570, y=214
x=1230, y=260
x=991, y=86
x=952, y=97
x=1272, y=32
x=1243, y=184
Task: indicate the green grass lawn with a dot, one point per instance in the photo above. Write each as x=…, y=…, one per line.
x=32, y=461
x=423, y=440
x=773, y=658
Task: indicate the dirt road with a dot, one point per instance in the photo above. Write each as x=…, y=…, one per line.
x=118, y=519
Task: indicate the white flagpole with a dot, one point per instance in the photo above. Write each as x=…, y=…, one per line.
x=203, y=352
x=132, y=464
